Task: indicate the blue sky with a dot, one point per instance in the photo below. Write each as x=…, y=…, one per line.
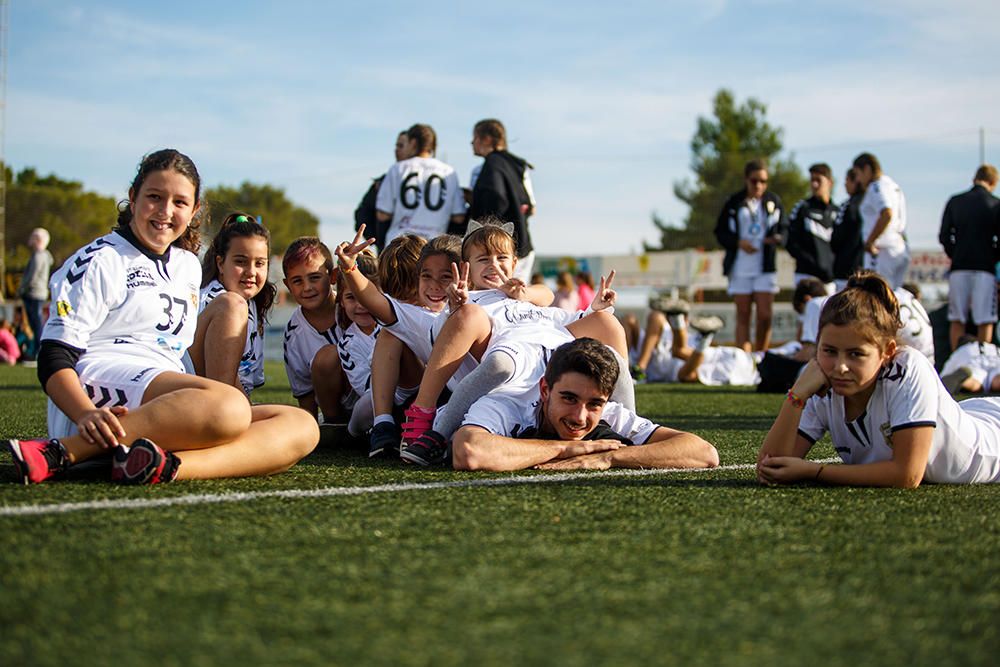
x=601, y=97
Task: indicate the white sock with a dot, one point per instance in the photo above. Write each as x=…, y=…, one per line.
x=384, y=419
x=676, y=321
x=706, y=342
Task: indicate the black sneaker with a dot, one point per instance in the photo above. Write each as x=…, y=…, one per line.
x=953, y=381
x=638, y=373
x=384, y=438
x=428, y=449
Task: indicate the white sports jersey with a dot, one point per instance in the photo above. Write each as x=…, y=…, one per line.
x=524, y=320
x=511, y=415
x=356, y=349
x=916, y=331
x=418, y=328
x=752, y=222
x=114, y=299
x=302, y=342
x=983, y=359
x=251, y=370
x=421, y=193
x=810, y=319
x=908, y=393
x=881, y=194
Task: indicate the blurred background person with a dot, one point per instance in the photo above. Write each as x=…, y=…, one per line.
x=34, y=288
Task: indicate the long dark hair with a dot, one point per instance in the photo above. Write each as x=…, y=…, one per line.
x=243, y=226
x=163, y=160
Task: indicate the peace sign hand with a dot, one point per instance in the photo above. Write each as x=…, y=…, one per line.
x=606, y=296
x=512, y=287
x=458, y=291
x=348, y=251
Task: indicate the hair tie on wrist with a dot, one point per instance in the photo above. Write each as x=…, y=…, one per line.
x=345, y=269
x=821, y=466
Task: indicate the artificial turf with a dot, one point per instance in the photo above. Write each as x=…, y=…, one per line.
x=683, y=568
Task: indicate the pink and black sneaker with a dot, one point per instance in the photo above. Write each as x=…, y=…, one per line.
x=143, y=463
x=38, y=460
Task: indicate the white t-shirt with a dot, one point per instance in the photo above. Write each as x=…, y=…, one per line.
x=751, y=223
x=523, y=320
x=421, y=194
x=418, y=328
x=114, y=299
x=356, y=349
x=909, y=393
x=511, y=415
x=881, y=194
x=302, y=342
x=251, y=370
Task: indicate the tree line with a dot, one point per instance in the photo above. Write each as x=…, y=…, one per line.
x=74, y=216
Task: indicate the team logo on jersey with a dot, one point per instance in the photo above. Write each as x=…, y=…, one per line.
x=139, y=277
x=194, y=299
x=770, y=207
x=886, y=430
x=63, y=308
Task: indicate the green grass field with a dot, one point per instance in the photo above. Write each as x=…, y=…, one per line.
x=671, y=568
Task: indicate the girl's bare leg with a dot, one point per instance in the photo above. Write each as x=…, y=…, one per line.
x=467, y=331
x=222, y=328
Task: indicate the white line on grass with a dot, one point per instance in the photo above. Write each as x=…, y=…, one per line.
x=238, y=497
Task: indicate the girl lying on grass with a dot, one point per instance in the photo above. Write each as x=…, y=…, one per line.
x=890, y=418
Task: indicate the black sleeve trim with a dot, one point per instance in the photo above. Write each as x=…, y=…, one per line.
x=53, y=356
x=812, y=440
x=901, y=427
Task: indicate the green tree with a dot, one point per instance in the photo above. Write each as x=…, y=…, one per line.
x=284, y=219
x=720, y=148
x=71, y=215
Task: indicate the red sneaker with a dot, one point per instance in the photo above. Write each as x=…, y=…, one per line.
x=143, y=463
x=37, y=460
x=418, y=421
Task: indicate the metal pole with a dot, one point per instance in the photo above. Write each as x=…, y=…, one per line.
x=3, y=161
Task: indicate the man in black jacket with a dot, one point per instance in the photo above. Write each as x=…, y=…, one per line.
x=970, y=228
x=502, y=189
x=750, y=227
x=810, y=228
x=848, y=248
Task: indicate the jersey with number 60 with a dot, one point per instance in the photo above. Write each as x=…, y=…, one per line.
x=115, y=299
x=421, y=194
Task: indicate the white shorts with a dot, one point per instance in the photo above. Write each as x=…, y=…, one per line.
x=831, y=288
x=663, y=368
x=972, y=292
x=891, y=264
x=108, y=384
x=728, y=366
x=981, y=359
x=529, y=359
x=766, y=283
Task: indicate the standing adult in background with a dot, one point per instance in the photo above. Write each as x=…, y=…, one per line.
x=810, y=229
x=848, y=249
x=750, y=227
x=364, y=214
x=34, y=288
x=970, y=228
x=883, y=222
x=419, y=195
x=503, y=188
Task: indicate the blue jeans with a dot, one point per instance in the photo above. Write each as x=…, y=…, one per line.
x=33, y=309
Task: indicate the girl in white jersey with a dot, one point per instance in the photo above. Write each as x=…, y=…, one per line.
x=236, y=298
x=356, y=347
x=413, y=276
x=111, y=355
x=890, y=418
x=419, y=195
